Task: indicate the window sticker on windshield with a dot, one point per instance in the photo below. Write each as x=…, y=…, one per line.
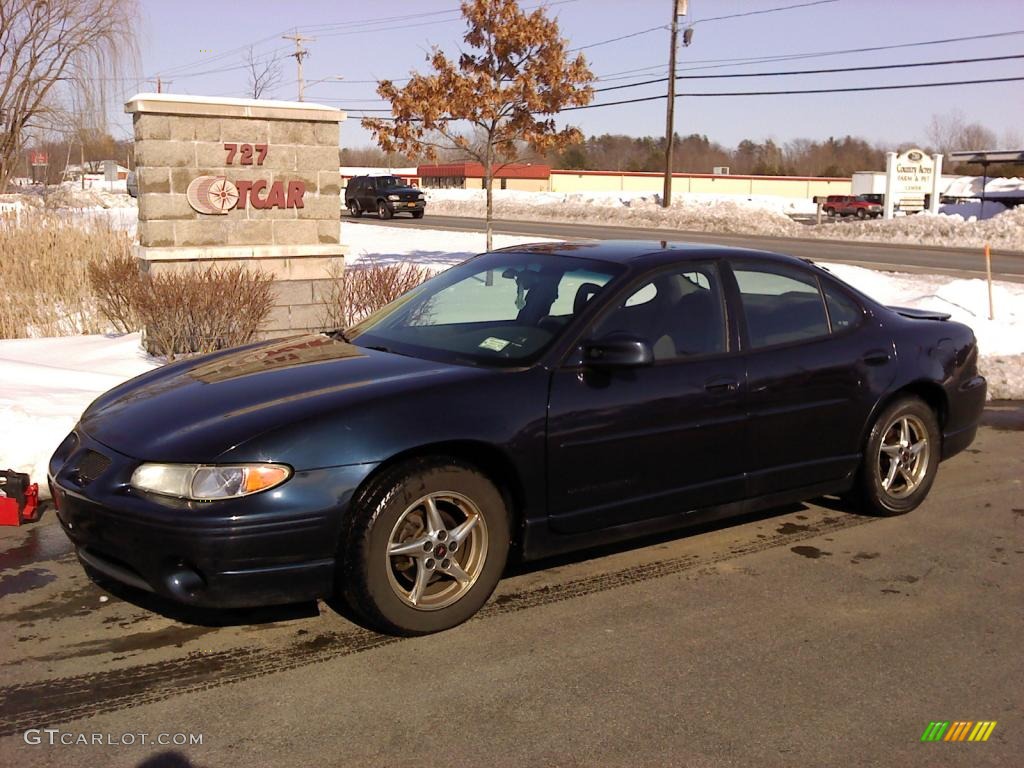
x=494, y=344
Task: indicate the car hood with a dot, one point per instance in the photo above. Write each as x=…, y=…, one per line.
x=196, y=410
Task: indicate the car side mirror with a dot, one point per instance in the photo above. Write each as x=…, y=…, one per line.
x=618, y=352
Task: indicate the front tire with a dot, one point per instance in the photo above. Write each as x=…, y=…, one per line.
x=901, y=458
x=383, y=211
x=861, y=213
x=417, y=214
x=426, y=545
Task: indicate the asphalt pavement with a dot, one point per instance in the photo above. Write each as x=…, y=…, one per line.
x=965, y=262
x=805, y=636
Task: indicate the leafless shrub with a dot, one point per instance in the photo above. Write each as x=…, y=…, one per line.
x=356, y=291
x=44, y=283
x=115, y=283
x=202, y=310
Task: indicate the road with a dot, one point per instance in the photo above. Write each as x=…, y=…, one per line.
x=907, y=258
x=806, y=636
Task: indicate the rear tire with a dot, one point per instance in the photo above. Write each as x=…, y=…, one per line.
x=427, y=542
x=354, y=210
x=901, y=458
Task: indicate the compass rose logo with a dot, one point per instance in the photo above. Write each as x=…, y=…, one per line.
x=212, y=194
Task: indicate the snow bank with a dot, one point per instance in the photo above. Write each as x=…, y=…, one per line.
x=1003, y=231
x=763, y=214
x=45, y=384
x=973, y=210
x=71, y=195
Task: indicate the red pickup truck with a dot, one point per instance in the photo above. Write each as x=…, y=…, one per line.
x=861, y=206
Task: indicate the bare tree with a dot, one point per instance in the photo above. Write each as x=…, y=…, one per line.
x=943, y=131
x=51, y=49
x=264, y=74
x=499, y=96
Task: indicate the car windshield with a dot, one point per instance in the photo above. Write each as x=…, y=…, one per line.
x=386, y=182
x=500, y=309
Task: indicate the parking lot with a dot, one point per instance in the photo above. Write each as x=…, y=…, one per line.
x=805, y=636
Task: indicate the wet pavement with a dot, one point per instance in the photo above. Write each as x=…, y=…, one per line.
x=807, y=635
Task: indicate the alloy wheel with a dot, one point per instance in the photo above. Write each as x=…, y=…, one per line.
x=903, y=456
x=437, y=550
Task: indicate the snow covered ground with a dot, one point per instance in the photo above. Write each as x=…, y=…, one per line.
x=45, y=384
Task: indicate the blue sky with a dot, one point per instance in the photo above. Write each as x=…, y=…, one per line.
x=198, y=47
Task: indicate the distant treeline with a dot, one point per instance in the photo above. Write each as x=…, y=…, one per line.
x=696, y=153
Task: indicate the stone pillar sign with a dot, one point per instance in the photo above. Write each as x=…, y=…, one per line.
x=223, y=181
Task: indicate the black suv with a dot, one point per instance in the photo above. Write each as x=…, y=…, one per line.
x=387, y=195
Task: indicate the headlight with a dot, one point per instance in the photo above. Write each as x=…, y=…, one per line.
x=207, y=483
x=394, y=197
x=421, y=197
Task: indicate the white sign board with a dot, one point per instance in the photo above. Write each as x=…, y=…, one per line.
x=913, y=171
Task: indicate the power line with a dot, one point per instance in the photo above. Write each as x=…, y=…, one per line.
x=616, y=39
x=783, y=73
x=765, y=10
x=749, y=60
x=816, y=71
x=714, y=18
x=800, y=91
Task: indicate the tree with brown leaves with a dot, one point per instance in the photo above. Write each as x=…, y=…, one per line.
x=506, y=90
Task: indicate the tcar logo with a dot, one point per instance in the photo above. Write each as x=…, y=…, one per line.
x=212, y=194
x=216, y=195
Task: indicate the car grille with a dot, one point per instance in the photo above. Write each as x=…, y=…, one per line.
x=90, y=466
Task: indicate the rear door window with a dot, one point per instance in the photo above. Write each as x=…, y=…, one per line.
x=781, y=305
x=843, y=312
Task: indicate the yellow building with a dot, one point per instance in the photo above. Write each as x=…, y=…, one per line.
x=804, y=187
x=542, y=178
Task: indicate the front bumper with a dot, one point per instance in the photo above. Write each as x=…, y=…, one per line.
x=270, y=548
x=406, y=206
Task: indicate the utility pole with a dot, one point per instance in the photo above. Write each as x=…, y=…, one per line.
x=678, y=9
x=160, y=83
x=299, y=55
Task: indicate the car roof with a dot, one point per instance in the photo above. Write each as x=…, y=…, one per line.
x=648, y=252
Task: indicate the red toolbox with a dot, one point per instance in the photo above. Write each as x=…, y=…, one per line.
x=19, y=499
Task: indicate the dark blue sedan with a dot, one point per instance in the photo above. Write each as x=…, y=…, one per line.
x=537, y=399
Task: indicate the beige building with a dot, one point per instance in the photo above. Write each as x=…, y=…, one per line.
x=543, y=178
x=804, y=187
